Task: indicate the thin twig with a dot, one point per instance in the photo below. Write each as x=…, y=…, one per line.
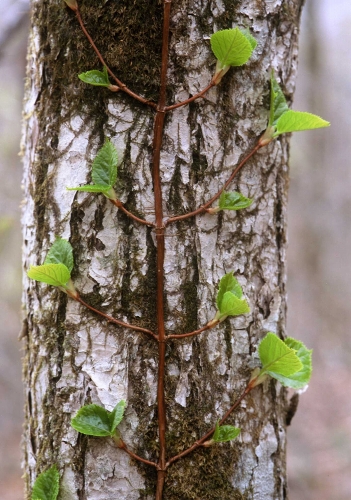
x=191, y=99
x=121, y=85
x=204, y=207
x=192, y=334
x=114, y=320
x=205, y=437
x=120, y=205
x=123, y=446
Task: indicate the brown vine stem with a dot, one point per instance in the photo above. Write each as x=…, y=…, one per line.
x=120, y=205
x=121, y=444
x=160, y=241
x=204, y=207
x=193, y=98
x=195, y=332
x=205, y=437
x=121, y=85
x=113, y=320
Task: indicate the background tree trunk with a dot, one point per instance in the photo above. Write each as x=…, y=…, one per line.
x=71, y=357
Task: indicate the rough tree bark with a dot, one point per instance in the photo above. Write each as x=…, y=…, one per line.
x=74, y=358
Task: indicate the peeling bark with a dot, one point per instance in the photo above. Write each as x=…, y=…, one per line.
x=71, y=357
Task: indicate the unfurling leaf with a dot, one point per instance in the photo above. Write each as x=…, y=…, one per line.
x=277, y=357
x=104, y=172
x=224, y=433
x=52, y=274
x=283, y=120
x=47, y=484
x=116, y=415
x=233, y=201
x=94, y=420
x=278, y=102
x=95, y=77
x=61, y=252
x=229, y=298
x=104, y=168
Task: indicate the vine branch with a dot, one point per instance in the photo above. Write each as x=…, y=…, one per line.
x=195, y=332
x=111, y=319
x=191, y=99
x=120, y=84
x=204, y=207
x=205, y=437
x=120, y=205
x=121, y=444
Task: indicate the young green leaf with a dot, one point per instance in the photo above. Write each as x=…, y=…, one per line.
x=233, y=201
x=278, y=103
x=116, y=415
x=229, y=298
x=277, y=357
x=231, y=47
x=95, y=77
x=107, y=191
x=251, y=39
x=61, y=252
x=294, y=121
x=228, y=283
x=302, y=377
x=104, y=172
x=92, y=420
x=232, y=306
x=52, y=274
x=104, y=169
x=224, y=433
x=47, y=484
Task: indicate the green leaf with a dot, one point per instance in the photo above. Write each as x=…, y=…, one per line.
x=46, y=486
x=228, y=283
x=52, y=274
x=91, y=188
x=104, y=169
x=116, y=415
x=232, y=306
x=95, y=77
x=61, y=252
x=278, y=103
x=224, y=433
x=277, y=357
x=251, y=39
x=233, y=201
x=301, y=378
x=92, y=420
x=231, y=47
x=294, y=121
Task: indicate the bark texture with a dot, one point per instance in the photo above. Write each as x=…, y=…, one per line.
x=72, y=357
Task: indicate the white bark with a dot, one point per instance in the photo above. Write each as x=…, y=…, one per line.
x=73, y=358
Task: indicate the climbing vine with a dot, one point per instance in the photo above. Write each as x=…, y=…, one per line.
x=286, y=360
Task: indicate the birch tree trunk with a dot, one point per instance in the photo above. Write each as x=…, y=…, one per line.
x=71, y=356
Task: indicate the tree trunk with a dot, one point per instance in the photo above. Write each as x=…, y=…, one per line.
x=71, y=356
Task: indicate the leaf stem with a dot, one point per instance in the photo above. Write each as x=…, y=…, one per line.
x=113, y=320
x=121, y=85
x=204, y=207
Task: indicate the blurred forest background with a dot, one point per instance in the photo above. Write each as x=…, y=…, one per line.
x=319, y=256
